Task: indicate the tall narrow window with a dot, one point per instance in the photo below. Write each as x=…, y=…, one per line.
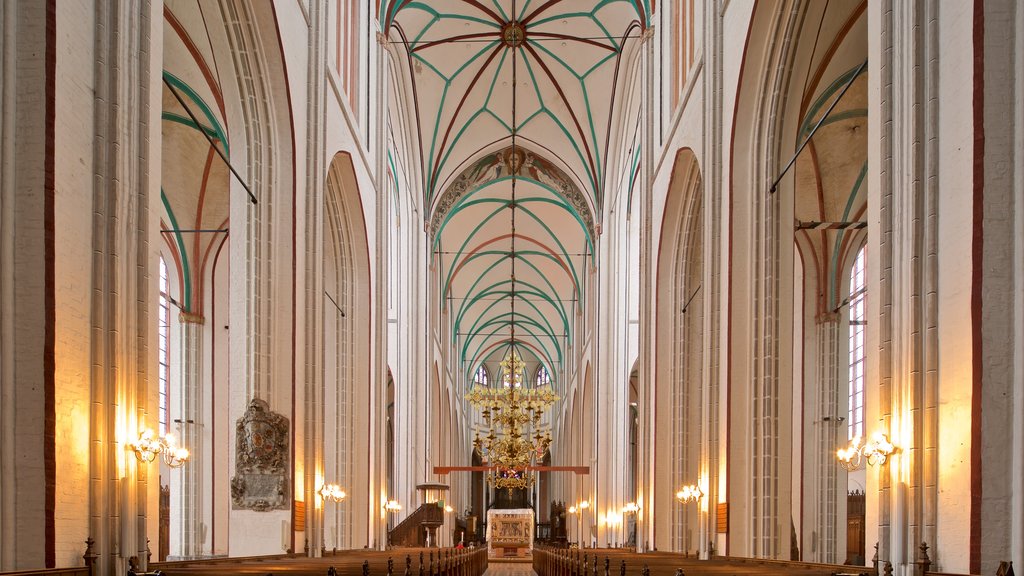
x=858, y=302
x=480, y=378
x=163, y=339
x=543, y=377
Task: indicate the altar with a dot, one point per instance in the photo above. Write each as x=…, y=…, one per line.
x=510, y=534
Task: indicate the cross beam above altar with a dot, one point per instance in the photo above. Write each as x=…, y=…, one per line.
x=578, y=470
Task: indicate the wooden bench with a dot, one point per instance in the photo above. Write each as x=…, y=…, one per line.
x=395, y=562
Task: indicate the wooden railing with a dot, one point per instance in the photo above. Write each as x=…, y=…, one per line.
x=411, y=532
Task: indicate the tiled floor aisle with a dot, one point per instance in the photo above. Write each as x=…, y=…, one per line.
x=509, y=569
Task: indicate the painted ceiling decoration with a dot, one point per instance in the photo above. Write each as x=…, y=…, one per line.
x=569, y=54
x=515, y=95
x=499, y=166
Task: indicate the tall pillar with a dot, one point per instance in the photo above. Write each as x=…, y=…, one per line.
x=26, y=278
x=827, y=504
x=313, y=282
x=187, y=492
x=122, y=290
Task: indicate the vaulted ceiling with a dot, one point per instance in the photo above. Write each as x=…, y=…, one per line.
x=549, y=72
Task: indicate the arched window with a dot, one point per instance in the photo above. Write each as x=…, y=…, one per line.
x=480, y=377
x=163, y=340
x=543, y=377
x=858, y=303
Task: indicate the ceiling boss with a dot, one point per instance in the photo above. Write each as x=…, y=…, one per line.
x=516, y=439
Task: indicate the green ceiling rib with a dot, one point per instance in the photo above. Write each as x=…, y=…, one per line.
x=565, y=132
x=532, y=291
x=820, y=101
x=437, y=121
x=561, y=247
x=435, y=17
x=476, y=353
x=557, y=201
x=186, y=121
x=494, y=81
x=586, y=101
x=522, y=12
x=576, y=286
x=465, y=202
x=460, y=261
x=834, y=276
x=543, y=359
x=185, y=271
x=469, y=301
x=517, y=319
x=497, y=5
x=522, y=321
x=476, y=325
x=180, y=84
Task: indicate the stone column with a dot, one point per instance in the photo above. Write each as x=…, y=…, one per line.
x=26, y=283
x=187, y=492
x=313, y=282
x=122, y=291
x=826, y=424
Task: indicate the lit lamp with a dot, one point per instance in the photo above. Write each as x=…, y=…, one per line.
x=392, y=506
x=630, y=508
x=149, y=446
x=689, y=493
x=332, y=492
x=876, y=451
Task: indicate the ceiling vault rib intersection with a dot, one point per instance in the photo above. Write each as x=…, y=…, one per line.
x=513, y=104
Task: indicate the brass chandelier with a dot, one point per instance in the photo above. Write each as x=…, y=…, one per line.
x=511, y=413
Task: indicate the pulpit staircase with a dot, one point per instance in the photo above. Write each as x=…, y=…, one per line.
x=413, y=530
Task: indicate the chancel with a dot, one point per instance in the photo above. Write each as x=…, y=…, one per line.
x=570, y=287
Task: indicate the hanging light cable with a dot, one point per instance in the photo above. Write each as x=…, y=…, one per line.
x=512, y=410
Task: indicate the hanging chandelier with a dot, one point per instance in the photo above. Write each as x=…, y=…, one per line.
x=516, y=439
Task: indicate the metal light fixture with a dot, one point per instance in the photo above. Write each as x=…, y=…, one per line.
x=875, y=451
x=689, y=493
x=148, y=446
x=509, y=447
x=332, y=492
x=630, y=508
x=392, y=506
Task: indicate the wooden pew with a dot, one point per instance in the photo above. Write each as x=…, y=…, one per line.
x=618, y=562
x=395, y=562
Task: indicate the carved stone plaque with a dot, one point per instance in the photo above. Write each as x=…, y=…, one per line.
x=261, y=460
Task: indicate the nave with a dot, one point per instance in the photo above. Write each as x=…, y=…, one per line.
x=730, y=280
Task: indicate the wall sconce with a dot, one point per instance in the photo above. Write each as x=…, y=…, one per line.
x=332, y=492
x=876, y=451
x=578, y=508
x=392, y=506
x=690, y=493
x=149, y=446
x=613, y=519
x=448, y=509
x=630, y=508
